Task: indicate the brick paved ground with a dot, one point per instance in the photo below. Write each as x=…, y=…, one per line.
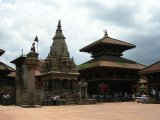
x=106, y=111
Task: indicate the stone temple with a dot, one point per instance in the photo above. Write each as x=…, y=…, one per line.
x=55, y=75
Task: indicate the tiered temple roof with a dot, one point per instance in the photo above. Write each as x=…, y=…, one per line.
x=1, y=52
x=4, y=67
x=152, y=68
x=107, y=52
x=107, y=41
x=112, y=62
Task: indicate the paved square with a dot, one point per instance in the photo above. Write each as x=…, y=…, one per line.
x=105, y=111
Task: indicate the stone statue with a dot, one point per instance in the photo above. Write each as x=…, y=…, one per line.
x=33, y=49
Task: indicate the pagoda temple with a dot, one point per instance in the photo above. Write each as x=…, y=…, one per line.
x=109, y=67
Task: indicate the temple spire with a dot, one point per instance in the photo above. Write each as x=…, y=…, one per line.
x=59, y=26
x=59, y=46
x=59, y=33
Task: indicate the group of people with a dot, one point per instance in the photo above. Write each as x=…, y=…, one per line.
x=61, y=98
x=51, y=100
x=155, y=93
x=114, y=96
x=105, y=93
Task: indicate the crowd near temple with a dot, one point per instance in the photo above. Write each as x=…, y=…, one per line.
x=107, y=77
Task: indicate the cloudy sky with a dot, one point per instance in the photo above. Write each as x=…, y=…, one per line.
x=83, y=21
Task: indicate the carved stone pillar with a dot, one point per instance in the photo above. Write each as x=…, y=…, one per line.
x=30, y=80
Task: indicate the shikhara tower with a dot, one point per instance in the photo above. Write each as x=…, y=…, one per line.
x=59, y=71
x=58, y=58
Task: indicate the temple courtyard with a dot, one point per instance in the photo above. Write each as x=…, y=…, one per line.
x=104, y=111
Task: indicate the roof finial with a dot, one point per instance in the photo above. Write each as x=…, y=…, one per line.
x=105, y=33
x=36, y=39
x=59, y=26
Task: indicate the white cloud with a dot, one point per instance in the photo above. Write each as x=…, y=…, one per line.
x=22, y=20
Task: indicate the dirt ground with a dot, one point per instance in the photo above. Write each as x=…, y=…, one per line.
x=105, y=111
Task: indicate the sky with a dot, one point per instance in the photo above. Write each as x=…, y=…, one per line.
x=83, y=22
